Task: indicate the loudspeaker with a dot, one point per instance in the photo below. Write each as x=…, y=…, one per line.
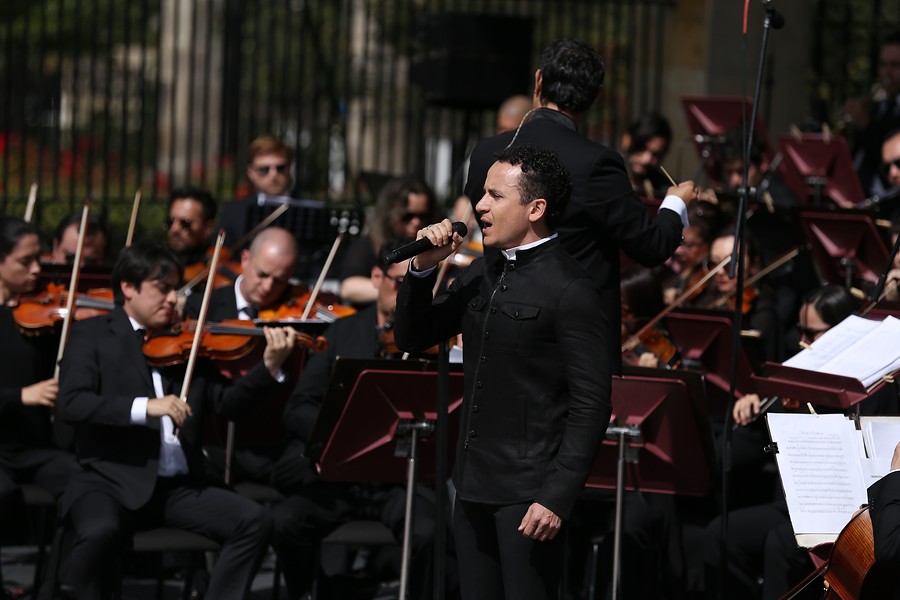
x=472, y=60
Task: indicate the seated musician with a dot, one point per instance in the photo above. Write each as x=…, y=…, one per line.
x=404, y=205
x=263, y=285
x=884, y=499
x=27, y=387
x=189, y=224
x=759, y=302
x=315, y=507
x=641, y=301
x=689, y=260
x=645, y=144
x=65, y=241
x=139, y=444
x=761, y=537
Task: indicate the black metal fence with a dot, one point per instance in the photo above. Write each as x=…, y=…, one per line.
x=101, y=97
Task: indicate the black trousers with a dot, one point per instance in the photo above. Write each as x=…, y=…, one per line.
x=496, y=561
x=103, y=527
x=304, y=518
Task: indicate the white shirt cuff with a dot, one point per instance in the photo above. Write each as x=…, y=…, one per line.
x=139, y=411
x=673, y=202
x=420, y=274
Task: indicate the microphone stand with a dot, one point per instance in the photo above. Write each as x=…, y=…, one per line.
x=774, y=21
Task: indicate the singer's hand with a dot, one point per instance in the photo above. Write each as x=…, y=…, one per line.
x=444, y=240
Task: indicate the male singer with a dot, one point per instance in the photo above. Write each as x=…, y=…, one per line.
x=537, y=386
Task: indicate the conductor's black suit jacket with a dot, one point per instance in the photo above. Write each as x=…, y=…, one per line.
x=604, y=214
x=102, y=372
x=537, y=385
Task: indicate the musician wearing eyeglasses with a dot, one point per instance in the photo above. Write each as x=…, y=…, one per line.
x=404, y=205
x=269, y=173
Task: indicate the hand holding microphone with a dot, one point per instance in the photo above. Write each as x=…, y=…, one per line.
x=433, y=244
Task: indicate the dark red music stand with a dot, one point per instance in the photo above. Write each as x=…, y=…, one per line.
x=659, y=425
x=89, y=278
x=845, y=245
x=819, y=167
x=675, y=450
x=357, y=432
x=705, y=339
x=714, y=116
x=834, y=391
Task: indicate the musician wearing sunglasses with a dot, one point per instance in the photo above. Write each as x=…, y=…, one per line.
x=403, y=207
x=269, y=172
x=189, y=223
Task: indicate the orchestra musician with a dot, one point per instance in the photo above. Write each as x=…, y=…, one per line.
x=404, y=205
x=884, y=500
x=761, y=539
x=28, y=390
x=137, y=470
x=604, y=214
x=645, y=144
x=65, y=241
x=537, y=384
x=314, y=507
x=191, y=216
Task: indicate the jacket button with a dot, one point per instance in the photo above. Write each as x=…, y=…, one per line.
x=516, y=314
x=475, y=408
x=487, y=334
x=504, y=287
x=493, y=310
x=479, y=384
x=512, y=266
x=483, y=359
x=473, y=434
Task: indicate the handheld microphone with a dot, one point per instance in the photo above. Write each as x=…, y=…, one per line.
x=419, y=246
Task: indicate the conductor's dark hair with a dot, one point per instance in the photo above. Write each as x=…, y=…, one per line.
x=144, y=261
x=543, y=176
x=13, y=229
x=571, y=75
x=833, y=303
x=206, y=200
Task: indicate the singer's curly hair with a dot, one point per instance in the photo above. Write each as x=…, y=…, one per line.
x=571, y=75
x=543, y=176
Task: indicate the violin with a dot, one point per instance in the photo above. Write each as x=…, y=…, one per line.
x=228, y=340
x=747, y=299
x=852, y=571
x=653, y=340
x=42, y=313
x=225, y=275
x=293, y=309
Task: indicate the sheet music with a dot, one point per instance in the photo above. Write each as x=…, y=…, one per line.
x=818, y=459
x=832, y=343
x=881, y=436
x=856, y=347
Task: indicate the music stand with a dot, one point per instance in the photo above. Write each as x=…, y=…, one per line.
x=670, y=449
x=89, y=278
x=820, y=167
x=704, y=338
x=710, y=118
x=376, y=413
x=844, y=244
x=826, y=389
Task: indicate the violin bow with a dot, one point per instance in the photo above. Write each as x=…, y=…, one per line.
x=343, y=226
x=201, y=319
x=250, y=234
x=635, y=339
x=135, y=209
x=73, y=286
x=789, y=255
x=32, y=200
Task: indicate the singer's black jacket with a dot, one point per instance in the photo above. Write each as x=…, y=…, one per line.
x=537, y=383
x=604, y=214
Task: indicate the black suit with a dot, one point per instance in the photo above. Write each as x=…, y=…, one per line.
x=222, y=305
x=27, y=451
x=604, y=214
x=537, y=404
x=103, y=371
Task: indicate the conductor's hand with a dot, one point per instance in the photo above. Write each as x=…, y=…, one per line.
x=746, y=409
x=684, y=190
x=42, y=393
x=444, y=240
x=540, y=523
x=169, y=405
x=280, y=343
